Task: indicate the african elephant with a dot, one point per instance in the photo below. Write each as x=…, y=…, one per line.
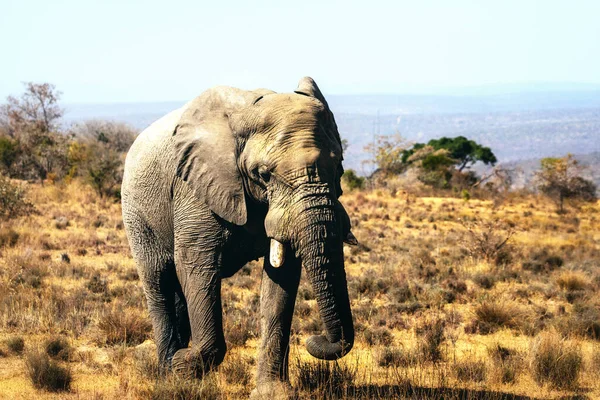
x=230, y=177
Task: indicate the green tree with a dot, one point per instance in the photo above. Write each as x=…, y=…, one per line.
x=353, y=181
x=560, y=179
x=434, y=166
x=465, y=152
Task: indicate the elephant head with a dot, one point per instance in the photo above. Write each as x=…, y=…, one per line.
x=278, y=156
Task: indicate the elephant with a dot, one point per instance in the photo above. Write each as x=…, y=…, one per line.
x=230, y=177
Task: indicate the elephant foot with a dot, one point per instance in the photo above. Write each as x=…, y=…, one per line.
x=273, y=390
x=191, y=363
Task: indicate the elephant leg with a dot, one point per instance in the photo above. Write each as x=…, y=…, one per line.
x=157, y=274
x=183, y=319
x=202, y=289
x=198, y=262
x=279, y=287
x=160, y=289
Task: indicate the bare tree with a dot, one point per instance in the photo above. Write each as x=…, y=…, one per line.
x=32, y=120
x=36, y=110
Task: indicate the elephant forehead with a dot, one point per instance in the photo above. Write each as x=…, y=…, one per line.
x=282, y=110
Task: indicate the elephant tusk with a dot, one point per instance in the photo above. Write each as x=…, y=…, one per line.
x=276, y=254
x=351, y=239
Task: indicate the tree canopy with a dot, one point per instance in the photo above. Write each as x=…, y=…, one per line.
x=463, y=151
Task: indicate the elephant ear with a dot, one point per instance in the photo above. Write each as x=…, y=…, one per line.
x=308, y=87
x=206, y=155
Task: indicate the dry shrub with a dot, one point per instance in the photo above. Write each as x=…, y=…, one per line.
x=491, y=316
x=470, y=371
x=177, y=388
x=13, y=199
x=487, y=240
x=378, y=336
x=240, y=326
x=323, y=378
x=583, y=321
x=402, y=293
x=124, y=327
x=396, y=357
x=58, y=347
x=555, y=361
x=486, y=281
x=97, y=284
x=47, y=374
x=542, y=261
x=8, y=237
x=572, y=281
x=369, y=284
x=432, y=336
x=236, y=370
x=507, y=363
x=16, y=344
x=145, y=362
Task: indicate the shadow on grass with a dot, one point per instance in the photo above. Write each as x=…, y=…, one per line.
x=415, y=392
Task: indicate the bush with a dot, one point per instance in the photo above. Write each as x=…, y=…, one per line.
x=584, y=321
x=380, y=335
x=146, y=362
x=353, y=181
x=240, y=326
x=572, y=281
x=470, y=371
x=236, y=370
x=321, y=376
x=15, y=344
x=486, y=281
x=13, y=201
x=8, y=237
x=555, y=361
x=395, y=357
x=432, y=337
x=542, y=261
x=491, y=316
x=124, y=327
x=487, y=240
x=9, y=151
x=59, y=347
x=506, y=363
x=96, y=284
x=47, y=374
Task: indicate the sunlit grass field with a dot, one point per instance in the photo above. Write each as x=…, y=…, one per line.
x=451, y=299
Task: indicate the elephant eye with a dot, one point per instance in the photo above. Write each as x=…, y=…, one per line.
x=264, y=173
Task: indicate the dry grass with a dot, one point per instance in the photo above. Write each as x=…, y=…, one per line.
x=435, y=316
x=47, y=374
x=556, y=362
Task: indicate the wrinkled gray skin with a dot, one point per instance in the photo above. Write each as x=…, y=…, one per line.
x=206, y=188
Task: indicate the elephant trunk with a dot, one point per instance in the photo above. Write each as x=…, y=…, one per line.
x=319, y=245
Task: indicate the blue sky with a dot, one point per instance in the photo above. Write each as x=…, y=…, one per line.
x=120, y=51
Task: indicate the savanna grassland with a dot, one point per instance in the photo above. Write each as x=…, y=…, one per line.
x=451, y=299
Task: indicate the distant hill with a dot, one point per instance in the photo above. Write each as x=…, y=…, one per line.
x=590, y=164
x=549, y=120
